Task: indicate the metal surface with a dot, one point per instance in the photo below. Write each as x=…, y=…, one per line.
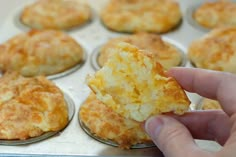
x=73, y=140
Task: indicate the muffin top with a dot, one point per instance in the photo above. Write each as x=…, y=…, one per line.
x=135, y=86
x=209, y=104
x=162, y=51
x=30, y=107
x=157, y=16
x=216, y=14
x=40, y=52
x=55, y=14
x=106, y=124
x=216, y=50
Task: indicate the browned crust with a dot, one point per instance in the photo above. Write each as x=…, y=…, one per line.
x=108, y=125
x=30, y=107
x=157, y=16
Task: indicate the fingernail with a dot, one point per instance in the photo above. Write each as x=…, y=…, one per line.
x=153, y=126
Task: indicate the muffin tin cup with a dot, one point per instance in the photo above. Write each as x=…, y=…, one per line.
x=189, y=16
x=110, y=142
x=96, y=52
x=71, y=111
x=19, y=24
x=68, y=71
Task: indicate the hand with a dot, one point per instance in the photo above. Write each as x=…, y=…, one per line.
x=174, y=135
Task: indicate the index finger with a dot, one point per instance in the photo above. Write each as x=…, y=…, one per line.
x=216, y=85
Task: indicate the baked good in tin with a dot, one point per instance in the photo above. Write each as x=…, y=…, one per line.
x=104, y=123
x=40, y=52
x=55, y=14
x=157, y=16
x=216, y=14
x=30, y=107
x=135, y=86
x=162, y=51
x=216, y=50
x=209, y=104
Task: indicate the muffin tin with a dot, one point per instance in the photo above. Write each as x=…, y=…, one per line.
x=73, y=140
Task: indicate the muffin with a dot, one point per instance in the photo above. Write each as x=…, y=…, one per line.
x=30, y=107
x=55, y=14
x=216, y=50
x=135, y=86
x=163, y=52
x=40, y=52
x=157, y=16
x=109, y=126
x=216, y=14
x=209, y=104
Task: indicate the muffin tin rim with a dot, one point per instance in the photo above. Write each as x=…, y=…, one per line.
x=110, y=142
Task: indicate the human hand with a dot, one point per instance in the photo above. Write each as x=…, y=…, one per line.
x=174, y=135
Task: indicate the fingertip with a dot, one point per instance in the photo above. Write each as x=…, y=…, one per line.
x=171, y=71
x=167, y=132
x=153, y=126
x=177, y=70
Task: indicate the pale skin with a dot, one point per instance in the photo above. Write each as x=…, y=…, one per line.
x=174, y=135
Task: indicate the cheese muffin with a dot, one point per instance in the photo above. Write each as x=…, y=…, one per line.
x=40, y=52
x=216, y=14
x=216, y=50
x=30, y=107
x=55, y=14
x=135, y=86
x=163, y=52
x=157, y=16
x=108, y=125
x=209, y=104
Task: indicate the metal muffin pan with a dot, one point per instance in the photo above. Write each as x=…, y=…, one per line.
x=73, y=140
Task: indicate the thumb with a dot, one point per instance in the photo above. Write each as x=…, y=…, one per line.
x=171, y=137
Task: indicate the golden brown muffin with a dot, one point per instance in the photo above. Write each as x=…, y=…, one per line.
x=36, y=52
x=135, y=86
x=55, y=14
x=216, y=14
x=216, y=50
x=30, y=107
x=157, y=16
x=163, y=52
x=108, y=125
x=208, y=104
